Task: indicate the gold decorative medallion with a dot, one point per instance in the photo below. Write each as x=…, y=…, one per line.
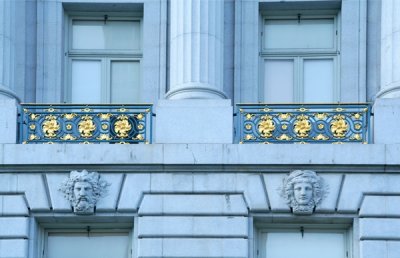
x=321, y=126
x=86, y=126
x=339, y=126
x=32, y=126
x=122, y=126
x=284, y=127
x=50, y=126
x=50, y=110
x=86, y=109
x=104, y=126
x=266, y=126
x=302, y=126
x=68, y=127
x=140, y=127
x=302, y=109
x=357, y=126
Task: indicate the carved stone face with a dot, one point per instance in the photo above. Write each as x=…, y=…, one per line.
x=83, y=194
x=303, y=192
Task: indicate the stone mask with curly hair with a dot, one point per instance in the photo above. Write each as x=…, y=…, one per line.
x=303, y=190
x=83, y=190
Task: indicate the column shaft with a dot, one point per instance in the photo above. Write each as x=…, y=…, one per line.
x=196, y=49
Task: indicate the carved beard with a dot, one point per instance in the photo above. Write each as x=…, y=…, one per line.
x=83, y=205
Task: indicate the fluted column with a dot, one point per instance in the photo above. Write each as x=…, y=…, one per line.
x=390, y=49
x=7, y=47
x=196, y=49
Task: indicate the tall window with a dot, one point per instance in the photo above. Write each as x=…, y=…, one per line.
x=104, y=59
x=303, y=243
x=300, y=59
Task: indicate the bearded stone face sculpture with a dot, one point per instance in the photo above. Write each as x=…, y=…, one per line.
x=303, y=190
x=83, y=190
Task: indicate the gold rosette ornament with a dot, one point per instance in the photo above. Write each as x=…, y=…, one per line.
x=50, y=126
x=339, y=126
x=266, y=126
x=122, y=126
x=86, y=127
x=302, y=126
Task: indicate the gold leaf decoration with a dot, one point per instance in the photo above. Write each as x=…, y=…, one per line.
x=302, y=126
x=34, y=116
x=105, y=116
x=356, y=137
x=321, y=137
x=68, y=137
x=50, y=126
x=284, y=137
x=321, y=116
x=104, y=137
x=249, y=116
x=249, y=137
x=139, y=137
x=122, y=126
x=357, y=116
x=32, y=126
x=339, y=126
x=140, y=127
x=33, y=137
x=69, y=116
x=266, y=126
x=284, y=116
x=86, y=126
x=140, y=116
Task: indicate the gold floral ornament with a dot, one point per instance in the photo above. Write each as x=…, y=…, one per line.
x=122, y=126
x=69, y=116
x=266, y=126
x=321, y=116
x=34, y=116
x=284, y=137
x=86, y=126
x=339, y=126
x=50, y=126
x=302, y=126
x=104, y=137
x=68, y=137
x=284, y=116
x=321, y=137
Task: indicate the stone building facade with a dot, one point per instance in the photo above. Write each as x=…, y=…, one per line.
x=195, y=185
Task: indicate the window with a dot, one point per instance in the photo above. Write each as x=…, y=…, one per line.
x=303, y=243
x=299, y=59
x=93, y=244
x=104, y=54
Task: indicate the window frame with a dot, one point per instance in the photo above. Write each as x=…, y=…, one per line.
x=105, y=56
x=84, y=230
x=297, y=55
x=345, y=229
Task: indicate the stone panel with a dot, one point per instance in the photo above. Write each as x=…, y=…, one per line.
x=13, y=248
x=35, y=192
x=14, y=227
x=274, y=182
x=109, y=202
x=328, y=204
x=13, y=205
x=176, y=247
x=373, y=249
x=58, y=202
x=380, y=206
x=132, y=191
x=157, y=226
x=249, y=184
x=190, y=204
x=355, y=185
x=171, y=182
x=381, y=228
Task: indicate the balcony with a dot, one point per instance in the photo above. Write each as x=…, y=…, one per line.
x=85, y=124
x=303, y=123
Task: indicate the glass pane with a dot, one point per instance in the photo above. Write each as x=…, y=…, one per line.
x=278, y=80
x=311, y=245
x=106, y=35
x=318, y=80
x=96, y=245
x=308, y=33
x=86, y=81
x=125, y=81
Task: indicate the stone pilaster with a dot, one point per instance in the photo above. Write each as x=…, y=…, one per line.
x=196, y=52
x=390, y=49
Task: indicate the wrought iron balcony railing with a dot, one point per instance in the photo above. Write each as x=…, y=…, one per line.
x=69, y=123
x=303, y=123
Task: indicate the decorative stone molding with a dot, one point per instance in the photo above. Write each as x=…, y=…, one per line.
x=303, y=190
x=83, y=190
